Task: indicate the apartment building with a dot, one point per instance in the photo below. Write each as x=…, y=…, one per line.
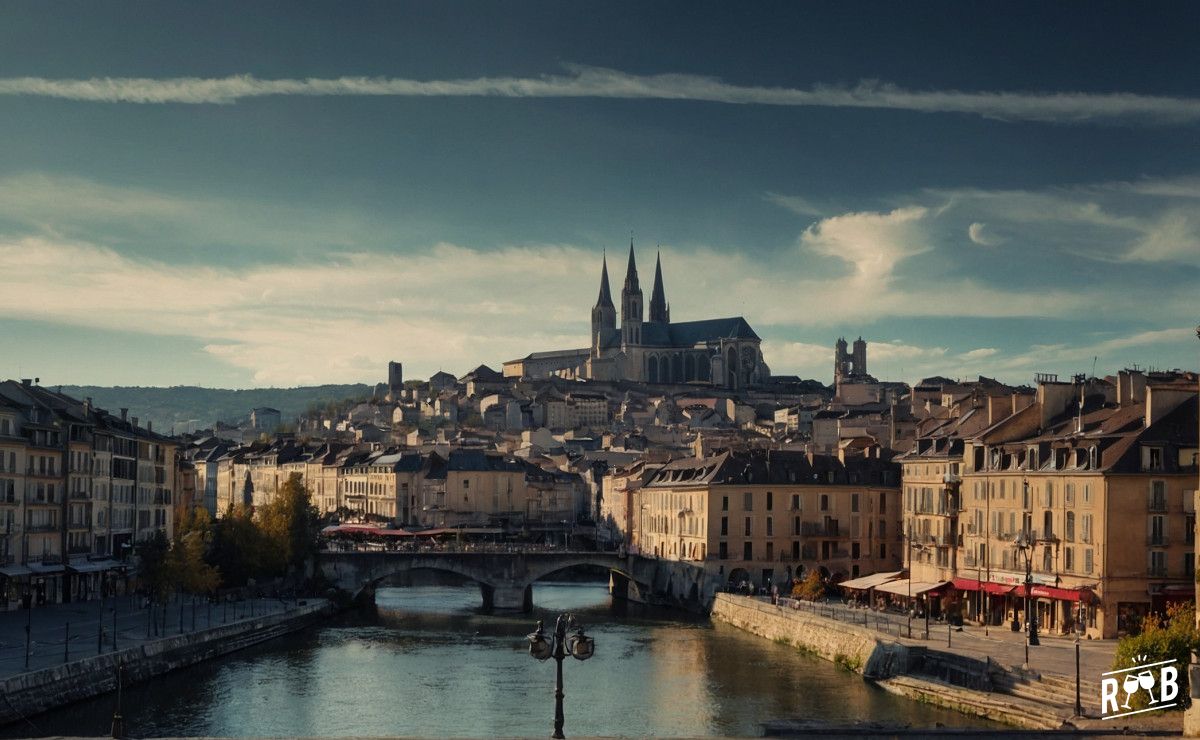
x=74, y=483
x=770, y=516
x=1090, y=489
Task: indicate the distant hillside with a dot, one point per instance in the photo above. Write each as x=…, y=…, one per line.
x=178, y=405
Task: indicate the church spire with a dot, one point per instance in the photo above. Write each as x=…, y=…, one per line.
x=631, y=303
x=605, y=299
x=631, y=276
x=659, y=311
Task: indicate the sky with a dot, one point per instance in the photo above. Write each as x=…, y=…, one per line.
x=277, y=194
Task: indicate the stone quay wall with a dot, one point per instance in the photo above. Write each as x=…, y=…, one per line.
x=855, y=648
x=31, y=693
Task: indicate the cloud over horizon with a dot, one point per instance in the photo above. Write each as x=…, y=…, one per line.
x=1065, y=107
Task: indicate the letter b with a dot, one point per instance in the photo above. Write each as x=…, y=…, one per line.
x=1168, y=681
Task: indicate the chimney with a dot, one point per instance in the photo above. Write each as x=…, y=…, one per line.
x=134, y=421
x=26, y=381
x=124, y=413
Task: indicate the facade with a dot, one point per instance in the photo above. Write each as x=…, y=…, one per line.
x=78, y=487
x=652, y=349
x=766, y=517
x=1091, y=487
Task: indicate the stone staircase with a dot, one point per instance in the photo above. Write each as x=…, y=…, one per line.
x=1048, y=689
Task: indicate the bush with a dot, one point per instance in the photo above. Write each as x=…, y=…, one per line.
x=1171, y=639
x=810, y=589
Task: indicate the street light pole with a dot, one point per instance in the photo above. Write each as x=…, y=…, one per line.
x=558, y=646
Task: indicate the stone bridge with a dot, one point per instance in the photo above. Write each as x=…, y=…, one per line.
x=505, y=578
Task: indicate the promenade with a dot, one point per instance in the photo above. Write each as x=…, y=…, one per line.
x=1056, y=654
x=62, y=633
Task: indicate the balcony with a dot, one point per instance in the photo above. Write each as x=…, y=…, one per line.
x=1158, y=540
x=34, y=528
x=818, y=529
x=81, y=496
x=969, y=561
x=1156, y=504
x=1158, y=571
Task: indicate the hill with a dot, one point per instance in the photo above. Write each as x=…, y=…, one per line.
x=184, y=407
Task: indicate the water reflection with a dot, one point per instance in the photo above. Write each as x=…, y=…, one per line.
x=427, y=662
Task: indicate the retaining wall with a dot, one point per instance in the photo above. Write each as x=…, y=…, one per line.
x=851, y=646
x=31, y=693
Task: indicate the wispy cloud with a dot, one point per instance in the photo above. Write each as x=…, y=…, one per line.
x=593, y=82
x=981, y=235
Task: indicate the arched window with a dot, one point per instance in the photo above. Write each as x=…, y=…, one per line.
x=664, y=369
x=652, y=369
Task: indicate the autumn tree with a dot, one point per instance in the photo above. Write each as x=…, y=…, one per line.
x=291, y=523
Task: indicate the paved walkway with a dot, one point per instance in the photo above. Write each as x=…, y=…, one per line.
x=1054, y=655
x=59, y=633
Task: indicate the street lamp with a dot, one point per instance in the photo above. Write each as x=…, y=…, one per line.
x=1025, y=547
x=558, y=646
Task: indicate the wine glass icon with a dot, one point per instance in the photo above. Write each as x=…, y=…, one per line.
x=1130, y=685
x=1146, y=681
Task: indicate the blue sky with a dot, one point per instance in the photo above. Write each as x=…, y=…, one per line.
x=276, y=194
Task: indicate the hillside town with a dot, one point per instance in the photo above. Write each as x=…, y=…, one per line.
x=951, y=496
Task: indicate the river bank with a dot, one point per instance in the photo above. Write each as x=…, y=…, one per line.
x=34, y=692
x=938, y=677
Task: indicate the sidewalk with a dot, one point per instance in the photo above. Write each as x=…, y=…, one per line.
x=61, y=633
x=1055, y=654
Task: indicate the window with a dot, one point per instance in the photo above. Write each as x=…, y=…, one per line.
x=1158, y=563
x=747, y=533
x=795, y=502
x=1087, y=493
x=1047, y=560
x=854, y=551
x=723, y=550
x=882, y=528
x=1086, y=525
x=770, y=527
x=882, y=550
x=854, y=502
x=1087, y=560
x=747, y=501
x=770, y=500
x=1189, y=529
x=724, y=526
x=724, y=503
x=466, y=483
x=1158, y=531
x=1069, y=559
x=1158, y=495
x=1155, y=459
x=1069, y=494
x=824, y=502
x=882, y=503
x=747, y=551
x=1070, y=533
x=1189, y=565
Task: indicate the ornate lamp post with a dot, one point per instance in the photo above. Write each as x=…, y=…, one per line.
x=558, y=646
x=1025, y=547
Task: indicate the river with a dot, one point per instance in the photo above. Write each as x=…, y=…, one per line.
x=426, y=662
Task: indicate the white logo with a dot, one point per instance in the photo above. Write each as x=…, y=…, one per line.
x=1159, y=680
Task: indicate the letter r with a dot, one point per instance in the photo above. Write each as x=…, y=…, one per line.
x=1108, y=693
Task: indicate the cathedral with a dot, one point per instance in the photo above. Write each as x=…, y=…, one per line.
x=651, y=349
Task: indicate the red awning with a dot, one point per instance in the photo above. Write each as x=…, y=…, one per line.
x=965, y=584
x=1062, y=594
x=1000, y=589
x=393, y=533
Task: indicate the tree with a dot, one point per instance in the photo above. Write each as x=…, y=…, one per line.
x=291, y=523
x=189, y=553
x=238, y=548
x=1173, y=638
x=155, y=568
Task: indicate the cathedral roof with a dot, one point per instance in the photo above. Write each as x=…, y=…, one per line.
x=689, y=333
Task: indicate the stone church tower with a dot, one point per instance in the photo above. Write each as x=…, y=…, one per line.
x=604, y=314
x=631, y=305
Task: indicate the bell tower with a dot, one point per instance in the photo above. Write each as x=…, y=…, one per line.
x=631, y=304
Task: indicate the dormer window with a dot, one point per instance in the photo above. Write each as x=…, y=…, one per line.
x=1092, y=457
x=1154, y=458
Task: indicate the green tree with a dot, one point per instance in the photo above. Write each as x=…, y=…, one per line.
x=155, y=569
x=291, y=523
x=1173, y=638
x=238, y=548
